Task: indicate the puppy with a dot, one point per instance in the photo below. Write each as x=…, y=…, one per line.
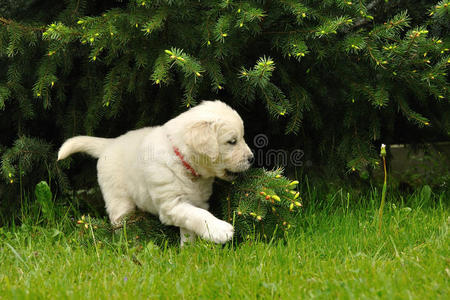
x=169, y=170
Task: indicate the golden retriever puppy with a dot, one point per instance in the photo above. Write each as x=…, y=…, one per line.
x=169, y=170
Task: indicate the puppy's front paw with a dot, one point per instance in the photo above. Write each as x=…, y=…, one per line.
x=217, y=231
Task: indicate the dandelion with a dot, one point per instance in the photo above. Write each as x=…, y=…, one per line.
x=383, y=194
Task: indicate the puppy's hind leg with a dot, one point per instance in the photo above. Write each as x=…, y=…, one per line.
x=117, y=199
x=118, y=207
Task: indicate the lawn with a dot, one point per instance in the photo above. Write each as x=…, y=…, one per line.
x=333, y=251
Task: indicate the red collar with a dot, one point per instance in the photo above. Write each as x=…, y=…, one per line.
x=185, y=163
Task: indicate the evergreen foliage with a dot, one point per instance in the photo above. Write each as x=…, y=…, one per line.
x=260, y=203
x=341, y=75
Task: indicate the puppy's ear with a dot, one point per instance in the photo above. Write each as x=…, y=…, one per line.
x=201, y=138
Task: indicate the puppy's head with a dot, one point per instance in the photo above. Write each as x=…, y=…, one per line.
x=217, y=140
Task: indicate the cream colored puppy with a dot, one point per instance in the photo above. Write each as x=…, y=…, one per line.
x=169, y=170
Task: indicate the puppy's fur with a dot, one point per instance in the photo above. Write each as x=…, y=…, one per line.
x=141, y=169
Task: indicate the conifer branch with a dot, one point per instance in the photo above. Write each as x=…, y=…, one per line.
x=8, y=22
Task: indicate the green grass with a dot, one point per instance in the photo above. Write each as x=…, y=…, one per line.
x=333, y=252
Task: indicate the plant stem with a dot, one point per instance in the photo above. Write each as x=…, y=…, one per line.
x=383, y=198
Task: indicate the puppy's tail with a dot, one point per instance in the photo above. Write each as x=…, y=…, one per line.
x=93, y=146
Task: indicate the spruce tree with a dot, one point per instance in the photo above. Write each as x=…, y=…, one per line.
x=337, y=76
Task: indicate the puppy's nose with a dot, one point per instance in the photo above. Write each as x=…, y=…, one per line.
x=250, y=158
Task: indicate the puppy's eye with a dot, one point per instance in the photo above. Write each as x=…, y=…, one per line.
x=232, y=142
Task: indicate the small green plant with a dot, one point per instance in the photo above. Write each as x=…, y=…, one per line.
x=260, y=203
x=44, y=198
